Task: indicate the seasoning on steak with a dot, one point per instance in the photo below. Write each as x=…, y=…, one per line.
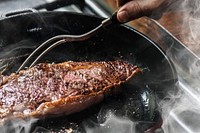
x=65, y=88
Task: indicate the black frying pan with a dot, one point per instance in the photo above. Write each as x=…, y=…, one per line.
x=22, y=33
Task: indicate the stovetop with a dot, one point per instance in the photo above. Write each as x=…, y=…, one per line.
x=9, y=5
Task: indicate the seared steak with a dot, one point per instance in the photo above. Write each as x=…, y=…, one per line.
x=65, y=88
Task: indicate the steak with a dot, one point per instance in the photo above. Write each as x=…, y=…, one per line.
x=64, y=88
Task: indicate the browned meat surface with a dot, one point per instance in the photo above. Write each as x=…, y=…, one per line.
x=65, y=88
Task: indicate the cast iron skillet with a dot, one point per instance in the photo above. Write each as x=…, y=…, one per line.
x=21, y=34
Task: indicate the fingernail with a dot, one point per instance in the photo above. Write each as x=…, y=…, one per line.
x=123, y=16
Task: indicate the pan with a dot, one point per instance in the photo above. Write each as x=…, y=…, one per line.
x=21, y=33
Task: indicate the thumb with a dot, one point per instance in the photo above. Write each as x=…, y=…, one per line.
x=131, y=10
x=137, y=8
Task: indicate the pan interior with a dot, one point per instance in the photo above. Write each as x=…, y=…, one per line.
x=138, y=100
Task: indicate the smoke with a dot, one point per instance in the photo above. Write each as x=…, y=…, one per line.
x=189, y=23
x=18, y=126
x=113, y=124
x=181, y=111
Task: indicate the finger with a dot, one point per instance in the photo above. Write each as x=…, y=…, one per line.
x=137, y=8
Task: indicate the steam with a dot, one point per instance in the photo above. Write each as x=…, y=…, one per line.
x=191, y=24
x=18, y=126
x=113, y=124
x=194, y=27
x=181, y=113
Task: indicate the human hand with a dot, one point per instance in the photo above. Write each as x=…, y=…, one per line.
x=137, y=8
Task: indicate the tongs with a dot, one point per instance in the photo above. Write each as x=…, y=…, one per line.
x=61, y=39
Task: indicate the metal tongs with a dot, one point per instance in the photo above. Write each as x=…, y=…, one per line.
x=60, y=39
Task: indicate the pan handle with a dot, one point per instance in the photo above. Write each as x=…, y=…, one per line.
x=17, y=12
